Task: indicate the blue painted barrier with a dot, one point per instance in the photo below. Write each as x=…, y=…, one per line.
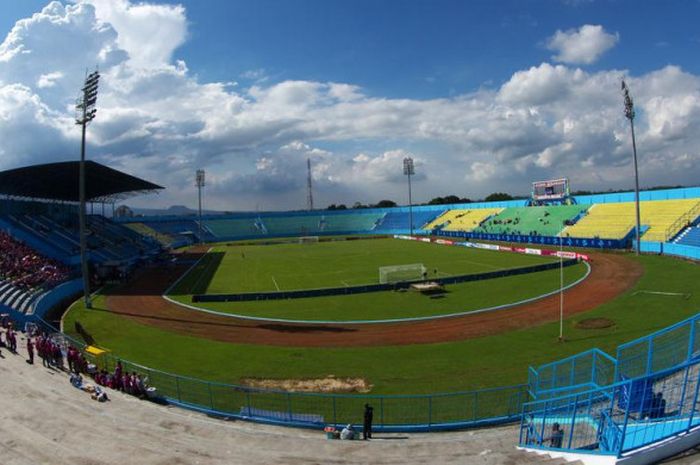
x=593, y=243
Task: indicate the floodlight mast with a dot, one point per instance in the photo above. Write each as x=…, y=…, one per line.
x=409, y=170
x=629, y=114
x=86, y=109
x=200, y=183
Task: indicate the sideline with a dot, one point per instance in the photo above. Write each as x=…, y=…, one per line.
x=184, y=275
x=367, y=322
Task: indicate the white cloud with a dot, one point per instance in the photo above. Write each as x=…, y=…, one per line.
x=156, y=119
x=148, y=32
x=583, y=45
x=49, y=79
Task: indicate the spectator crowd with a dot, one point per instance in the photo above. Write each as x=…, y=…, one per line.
x=55, y=354
x=25, y=267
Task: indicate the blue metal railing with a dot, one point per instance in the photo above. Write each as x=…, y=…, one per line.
x=616, y=419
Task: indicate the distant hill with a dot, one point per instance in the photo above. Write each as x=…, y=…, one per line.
x=179, y=210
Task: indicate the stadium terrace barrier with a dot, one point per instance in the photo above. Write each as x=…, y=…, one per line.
x=587, y=370
x=669, y=248
x=618, y=419
x=593, y=243
x=392, y=413
x=499, y=248
x=300, y=294
x=661, y=350
x=651, y=399
x=57, y=295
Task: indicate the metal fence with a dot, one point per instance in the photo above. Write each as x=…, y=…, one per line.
x=616, y=419
x=660, y=350
x=429, y=412
x=587, y=370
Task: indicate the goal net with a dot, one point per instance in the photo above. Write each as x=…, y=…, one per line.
x=398, y=273
x=308, y=239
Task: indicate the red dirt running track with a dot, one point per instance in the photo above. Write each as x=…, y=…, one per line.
x=141, y=300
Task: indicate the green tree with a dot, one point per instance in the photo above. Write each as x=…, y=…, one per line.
x=385, y=204
x=498, y=196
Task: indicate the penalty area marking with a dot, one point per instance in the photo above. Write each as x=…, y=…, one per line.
x=275, y=281
x=686, y=296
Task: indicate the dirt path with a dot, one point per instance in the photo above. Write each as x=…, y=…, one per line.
x=611, y=275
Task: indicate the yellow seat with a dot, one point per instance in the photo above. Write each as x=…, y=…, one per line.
x=462, y=219
x=664, y=219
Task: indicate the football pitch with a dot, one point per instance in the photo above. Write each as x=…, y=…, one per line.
x=258, y=268
x=499, y=359
x=291, y=266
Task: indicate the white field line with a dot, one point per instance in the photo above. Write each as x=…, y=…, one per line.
x=681, y=294
x=202, y=274
x=275, y=281
x=173, y=285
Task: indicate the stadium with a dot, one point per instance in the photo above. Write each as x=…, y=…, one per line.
x=301, y=318
x=555, y=325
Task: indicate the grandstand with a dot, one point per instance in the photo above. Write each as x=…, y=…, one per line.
x=399, y=220
x=662, y=219
x=691, y=236
x=40, y=242
x=144, y=230
x=222, y=228
x=531, y=221
x=461, y=219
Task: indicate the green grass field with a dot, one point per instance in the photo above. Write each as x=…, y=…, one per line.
x=426, y=368
x=395, y=305
x=232, y=268
x=257, y=268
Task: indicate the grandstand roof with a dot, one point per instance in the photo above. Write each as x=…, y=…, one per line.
x=59, y=181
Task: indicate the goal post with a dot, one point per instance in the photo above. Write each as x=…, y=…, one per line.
x=399, y=273
x=308, y=239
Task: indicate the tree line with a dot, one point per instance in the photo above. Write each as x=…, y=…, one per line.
x=448, y=199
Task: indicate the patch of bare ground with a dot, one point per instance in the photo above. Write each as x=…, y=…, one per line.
x=329, y=384
x=595, y=323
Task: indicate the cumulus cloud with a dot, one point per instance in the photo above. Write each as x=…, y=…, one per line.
x=148, y=32
x=583, y=45
x=156, y=119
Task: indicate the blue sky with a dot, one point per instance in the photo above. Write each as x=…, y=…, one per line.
x=486, y=96
x=424, y=49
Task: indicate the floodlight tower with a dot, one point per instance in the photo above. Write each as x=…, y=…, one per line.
x=86, y=109
x=309, y=189
x=199, y=179
x=409, y=170
x=629, y=114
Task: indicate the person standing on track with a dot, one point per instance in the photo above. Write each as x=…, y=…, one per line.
x=367, y=427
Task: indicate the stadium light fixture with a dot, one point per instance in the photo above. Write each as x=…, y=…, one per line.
x=409, y=170
x=199, y=179
x=86, y=111
x=629, y=114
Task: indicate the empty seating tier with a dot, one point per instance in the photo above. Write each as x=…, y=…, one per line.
x=462, y=220
x=690, y=237
x=662, y=218
x=532, y=221
x=399, y=220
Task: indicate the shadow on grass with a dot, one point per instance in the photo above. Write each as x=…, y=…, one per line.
x=156, y=278
x=151, y=317
x=87, y=337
